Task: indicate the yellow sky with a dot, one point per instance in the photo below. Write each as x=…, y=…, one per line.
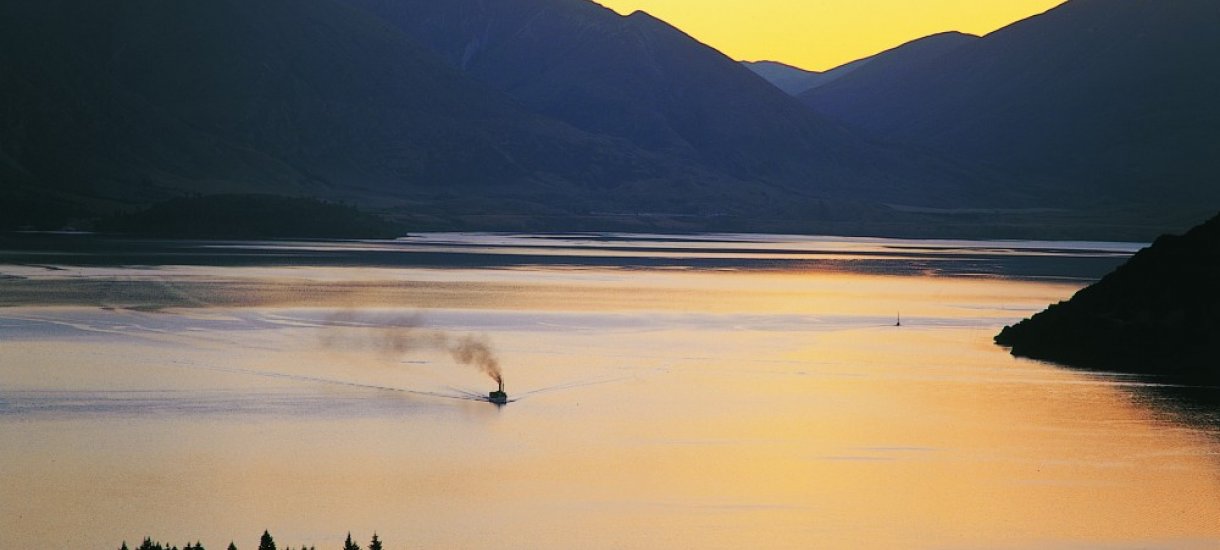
x=823, y=34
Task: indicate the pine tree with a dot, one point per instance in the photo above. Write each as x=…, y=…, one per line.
x=266, y=542
x=349, y=545
x=124, y=547
x=376, y=543
x=232, y=546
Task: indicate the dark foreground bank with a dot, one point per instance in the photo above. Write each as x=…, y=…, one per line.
x=1158, y=314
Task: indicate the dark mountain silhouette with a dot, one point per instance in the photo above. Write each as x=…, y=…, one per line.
x=858, y=89
x=1159, y=313
x=794, y=80
x=1111, y=101
x=514, y=114
x=637, y=78
x=520, y=114
x=791, y=80
x=633, y=77
x=114, y=102
x=890, y=64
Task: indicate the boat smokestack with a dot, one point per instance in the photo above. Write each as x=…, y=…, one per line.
x=498, y=397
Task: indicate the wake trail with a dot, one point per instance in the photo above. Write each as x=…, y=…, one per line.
x=467, y=396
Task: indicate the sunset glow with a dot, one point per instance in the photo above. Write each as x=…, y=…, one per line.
x=823, y=34
x=609, y=274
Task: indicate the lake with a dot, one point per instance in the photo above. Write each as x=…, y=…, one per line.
x=711, y=391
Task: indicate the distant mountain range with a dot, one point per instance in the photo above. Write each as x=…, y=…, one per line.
x=1111, y=103
x=112, y=103
x=907, y=58
x=634, y=78
x=795, y=81
x=639, y=79
x=561, y=114
x=862, y=88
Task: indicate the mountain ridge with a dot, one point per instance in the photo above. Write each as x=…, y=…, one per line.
x=638, y=78
x=893, y=63
x=907, y=56
x=794, y=80
x=515, y=114
x=313, y=108
x=1054, y=99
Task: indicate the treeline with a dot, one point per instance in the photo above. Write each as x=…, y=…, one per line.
x=251, y=216
x=29, y=211
x=266, y=542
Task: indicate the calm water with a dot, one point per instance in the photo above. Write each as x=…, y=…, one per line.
x=720, y=391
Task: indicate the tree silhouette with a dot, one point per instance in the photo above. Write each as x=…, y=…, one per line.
x=266, y=542
x=149, y=544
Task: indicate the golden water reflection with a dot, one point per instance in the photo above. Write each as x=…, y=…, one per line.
x=678, y=409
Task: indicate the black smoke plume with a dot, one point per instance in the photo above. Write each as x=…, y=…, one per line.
x=396, y=337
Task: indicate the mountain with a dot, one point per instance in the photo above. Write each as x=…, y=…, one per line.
x=885, y=66
x=639, y=79
x=1159, y=313
x=109, y=103
x=518, y=114
x=857, y=88
x=794, y=81
x=1111, y=103
x=633, y=77
x=470, y=114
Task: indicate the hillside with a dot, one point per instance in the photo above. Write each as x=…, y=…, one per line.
x=1109, y=103
x=110, y=103
x=248, y=216
x=1159, y=313
x=793, y=80
x=637, y=78
x=563, y=115
x=814, y=88
x=861, y=86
